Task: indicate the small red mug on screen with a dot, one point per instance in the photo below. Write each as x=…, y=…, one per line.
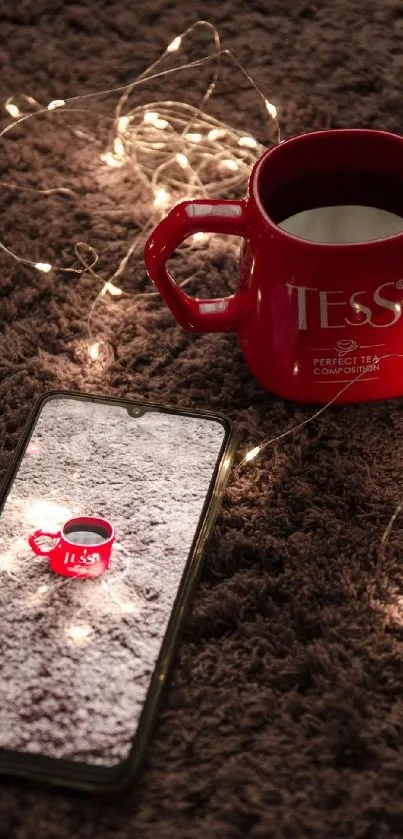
x=82, y=548
x=319, y=300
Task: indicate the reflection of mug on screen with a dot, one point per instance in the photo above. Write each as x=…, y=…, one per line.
x=85, y=650
x=72, y=553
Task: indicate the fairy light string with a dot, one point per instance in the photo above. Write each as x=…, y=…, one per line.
x=256, y=450
x=252, y=453
x=176, y=150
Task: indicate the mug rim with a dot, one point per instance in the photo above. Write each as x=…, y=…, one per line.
x=298, y=138
x=89, y=519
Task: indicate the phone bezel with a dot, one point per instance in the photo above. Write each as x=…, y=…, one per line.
x=80, y=776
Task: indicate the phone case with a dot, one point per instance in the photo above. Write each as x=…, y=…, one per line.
x=105, y=515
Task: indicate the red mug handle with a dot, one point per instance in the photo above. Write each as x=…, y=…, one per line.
x=219, y=314
x=37, y=535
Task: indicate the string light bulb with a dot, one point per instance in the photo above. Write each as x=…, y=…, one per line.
x=19, y=107
x=231, y=164
x=153, y=118
x=150, y=117
x=93, y=351
x=118, y=146
x=272, y=110
x=175, y=44
x=45, y=267
x=251, y=454
x=56, y=103
x=12, y=109
x=112, y=160
x=194, y=137
x=248, y=142
x=216, y=134
x=122, y=124
x=182, y=160
x=113, y=290
x=161, y=199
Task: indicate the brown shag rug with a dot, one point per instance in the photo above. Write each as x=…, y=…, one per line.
x=284, y=715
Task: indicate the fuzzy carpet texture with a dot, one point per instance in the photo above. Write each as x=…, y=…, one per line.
x=284, y=715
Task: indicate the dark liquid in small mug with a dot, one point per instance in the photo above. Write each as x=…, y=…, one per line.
x=86, y=534
x=338, y=207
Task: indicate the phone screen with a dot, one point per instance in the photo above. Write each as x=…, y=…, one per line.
x=95, y=534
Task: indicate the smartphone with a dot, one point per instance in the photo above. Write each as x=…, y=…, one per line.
x=103, y=521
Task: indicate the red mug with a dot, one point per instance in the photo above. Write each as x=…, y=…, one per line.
x=82, y=547
x=319, y=297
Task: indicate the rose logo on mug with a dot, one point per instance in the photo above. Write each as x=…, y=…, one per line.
x=320, y=291
x=82, y=548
